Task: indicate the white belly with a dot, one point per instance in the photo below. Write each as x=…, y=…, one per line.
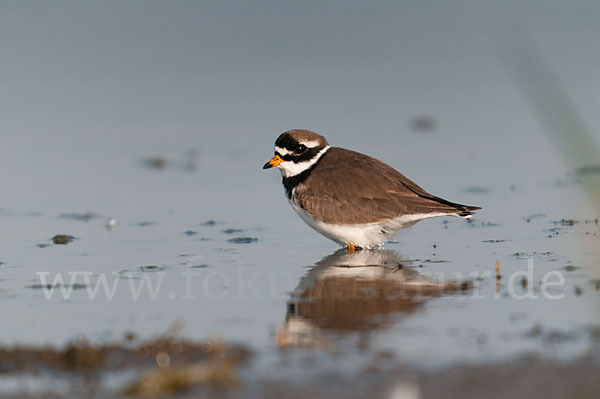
x=368, y=235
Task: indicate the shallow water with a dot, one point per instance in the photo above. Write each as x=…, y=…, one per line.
x=224, y=254
x=200, y=234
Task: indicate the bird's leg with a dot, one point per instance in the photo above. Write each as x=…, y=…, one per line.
x=350, y=248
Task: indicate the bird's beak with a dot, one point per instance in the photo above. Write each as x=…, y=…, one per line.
x=273, y=162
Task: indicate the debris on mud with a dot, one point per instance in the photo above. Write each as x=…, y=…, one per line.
x=151, y=268
x=162, y=366
x=243, y=240
x=82, y=217
x=476, y=190
x=534, y=216
x=53, y=286
x=62, y=239
x=145, y=224
x=566, y=222
x=570, y=268
x=423, y=124
x=156, y=162
x=232, y=231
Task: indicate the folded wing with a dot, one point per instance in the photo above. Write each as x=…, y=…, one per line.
x=349, y=188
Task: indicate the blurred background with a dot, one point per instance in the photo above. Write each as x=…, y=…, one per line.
x=139, y=129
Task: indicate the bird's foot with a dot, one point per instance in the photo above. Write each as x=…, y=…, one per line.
x=350, y=248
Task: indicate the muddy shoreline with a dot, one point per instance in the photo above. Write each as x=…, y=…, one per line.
x=170, y=367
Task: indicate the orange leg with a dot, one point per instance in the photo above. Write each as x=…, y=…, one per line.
x=351, y=248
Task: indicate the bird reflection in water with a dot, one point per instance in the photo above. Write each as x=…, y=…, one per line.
x=356, y=292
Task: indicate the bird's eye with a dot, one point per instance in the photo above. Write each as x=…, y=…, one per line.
x=301, y=148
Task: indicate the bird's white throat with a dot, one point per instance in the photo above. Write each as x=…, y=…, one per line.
x=290, y=168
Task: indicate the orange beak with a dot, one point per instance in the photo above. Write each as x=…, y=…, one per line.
x=275, y=161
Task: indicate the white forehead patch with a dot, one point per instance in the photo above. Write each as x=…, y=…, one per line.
x=283, y=151
x=290, y=168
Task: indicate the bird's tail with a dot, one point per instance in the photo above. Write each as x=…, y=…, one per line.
x=468, y=211
x=440, y=204
x=463, y=211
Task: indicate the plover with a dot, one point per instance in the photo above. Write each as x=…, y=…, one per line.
x=352, y=198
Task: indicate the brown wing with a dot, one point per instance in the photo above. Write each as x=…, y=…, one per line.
x=348, y=187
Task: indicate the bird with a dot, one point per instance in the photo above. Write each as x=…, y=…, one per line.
x=353, y=199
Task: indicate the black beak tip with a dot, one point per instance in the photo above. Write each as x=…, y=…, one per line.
x=267, y=165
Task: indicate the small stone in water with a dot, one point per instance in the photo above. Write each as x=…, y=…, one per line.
x=243, y=240
x=62, y=239
x=232, y=231
x=111, y=224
